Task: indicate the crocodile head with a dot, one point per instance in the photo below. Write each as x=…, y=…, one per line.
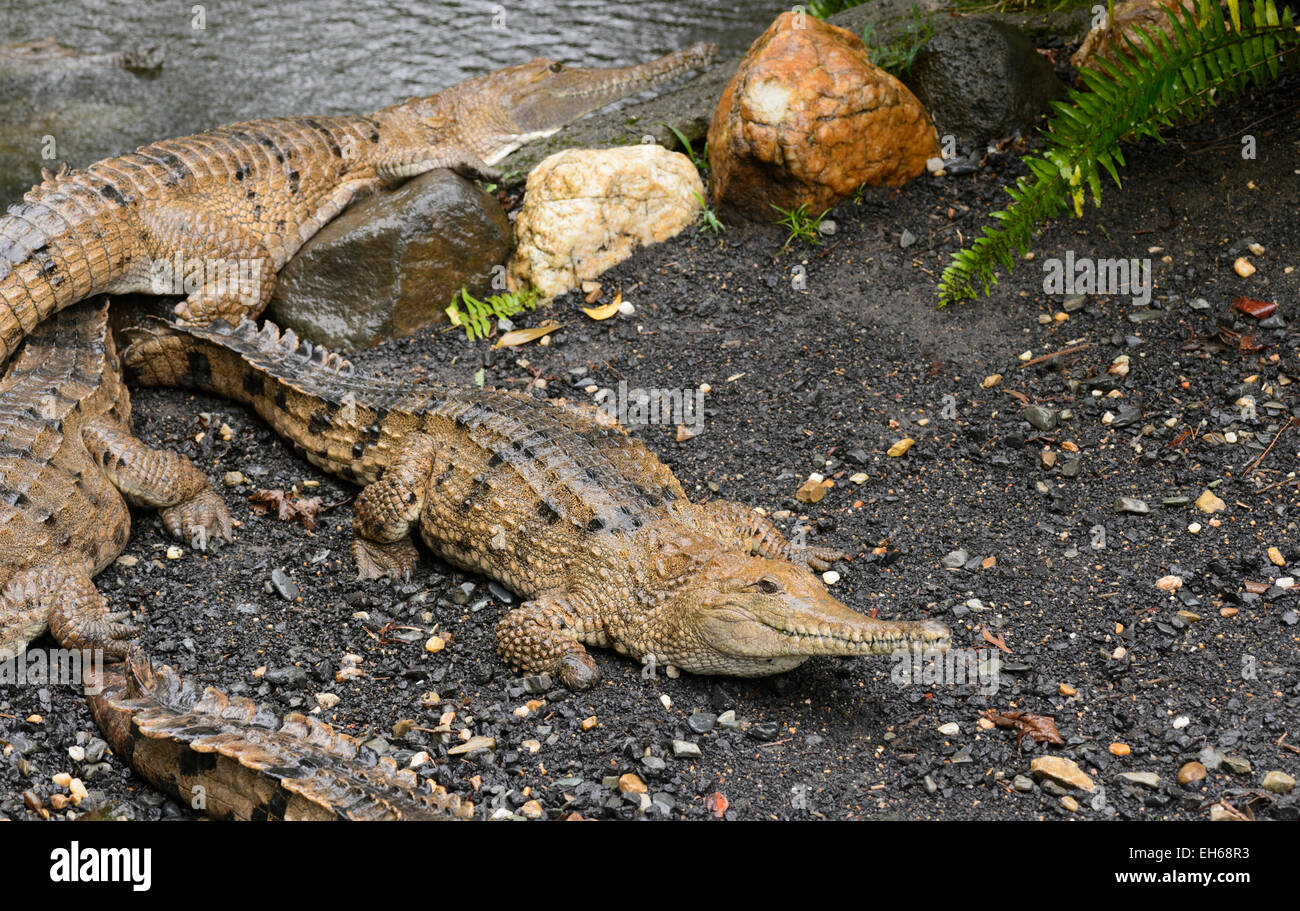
x=749, y=616
x=494, y=114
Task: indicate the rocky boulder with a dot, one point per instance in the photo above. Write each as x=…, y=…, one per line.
x=983, y=79
x=390, y=263
x=586, y=210
x=1105, y=42
x=807, y=119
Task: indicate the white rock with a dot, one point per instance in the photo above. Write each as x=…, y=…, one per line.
x=830, y=577
x=586, y=210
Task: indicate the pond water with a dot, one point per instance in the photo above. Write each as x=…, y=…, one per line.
x=229, y=60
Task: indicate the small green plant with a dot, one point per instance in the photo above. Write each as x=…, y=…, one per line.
x=1163, y=80
x=477, y=315
x=701, y=161
x=898, y=56
x=821, y=9
x=709, y=221
x=801, y=224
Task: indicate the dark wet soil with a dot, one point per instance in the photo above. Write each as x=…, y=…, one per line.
x=826, y=379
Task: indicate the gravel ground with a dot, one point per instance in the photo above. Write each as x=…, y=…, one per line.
x=826, y=379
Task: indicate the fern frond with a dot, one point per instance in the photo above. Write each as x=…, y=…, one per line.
x=1166, y=79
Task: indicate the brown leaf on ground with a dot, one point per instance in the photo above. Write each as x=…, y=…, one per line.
x=287, y=507
x=717, y=803
x=1252, y=307
x=994, y=640
x=1041, y=728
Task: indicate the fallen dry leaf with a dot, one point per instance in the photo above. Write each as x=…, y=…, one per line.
x=1041, y=728
x=607, y=310
x=994, y=640
x=288, y=508
x=523, y=336
x=1252, y=307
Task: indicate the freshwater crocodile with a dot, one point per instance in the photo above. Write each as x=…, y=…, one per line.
x=47, y=54
x=571, y=513
x=233, y=204
x=233, y=759
x=68, y=467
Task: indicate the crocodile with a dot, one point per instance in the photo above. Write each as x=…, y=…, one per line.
x=68, y=467
x=49, y=55
x=568, y=511
x=232, y=205
x=234, y=759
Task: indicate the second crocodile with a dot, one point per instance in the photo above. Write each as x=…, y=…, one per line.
x=233, y=759
x=570, y=512
x=68, y=467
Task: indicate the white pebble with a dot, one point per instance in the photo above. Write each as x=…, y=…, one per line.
x=830, y=577
x=1194, y=528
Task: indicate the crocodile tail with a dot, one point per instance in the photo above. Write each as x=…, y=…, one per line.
x=332, y=413
x=62, y=243
x=234, y=759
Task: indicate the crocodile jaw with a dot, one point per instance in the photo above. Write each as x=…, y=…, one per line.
x=748, y=617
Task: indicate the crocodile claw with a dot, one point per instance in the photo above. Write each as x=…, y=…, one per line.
x=199, y=521
x=385, y=561
x=578, y=671
x=818, y=559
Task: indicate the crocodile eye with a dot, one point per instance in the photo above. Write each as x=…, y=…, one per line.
x=767, y=585
x=557, y=67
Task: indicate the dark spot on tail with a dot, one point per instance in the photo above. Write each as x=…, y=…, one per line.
x=198, y=373
x=319, y=422
x=193, y=762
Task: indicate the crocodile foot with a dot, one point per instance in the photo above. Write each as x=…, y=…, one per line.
x=201, y=520
x=385, y=561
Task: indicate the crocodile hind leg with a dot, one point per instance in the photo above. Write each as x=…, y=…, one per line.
x=539, y=637
x=233, y=269
x=735, y=522
x=62, y=595
x=190, y=509
x=386, y=510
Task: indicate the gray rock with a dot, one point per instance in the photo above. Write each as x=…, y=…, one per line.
x=285, y=587
x=701, y=722
x=390, y=264
x=1150, y=779
x=1133, y=505
x=1041, y=417
x=983, y=79
x=1022, y=783
x=955, y=559
x=286, y=676
x=728, y=720
x=686, y=749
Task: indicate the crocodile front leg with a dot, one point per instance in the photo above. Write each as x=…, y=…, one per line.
x=408, y=162
x=62, y=595
x=540, y=637
x=387, y=509
x=237, y=268
x=190, y=509
x=737, y=523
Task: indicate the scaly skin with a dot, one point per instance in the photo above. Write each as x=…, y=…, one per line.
x=68, y=467
x=569, y=512
x=235, y=760
x=232, y=205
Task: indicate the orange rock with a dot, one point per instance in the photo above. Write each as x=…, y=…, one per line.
x=808, y=119
x=1120, y=749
